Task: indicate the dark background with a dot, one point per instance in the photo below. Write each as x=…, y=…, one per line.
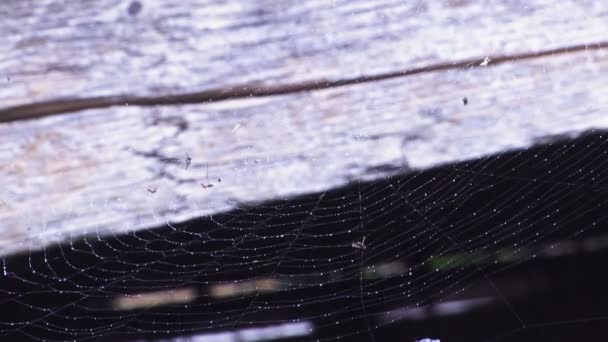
x=556, y=192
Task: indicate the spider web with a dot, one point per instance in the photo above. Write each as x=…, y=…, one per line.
x=344, y=264
x=457, y=252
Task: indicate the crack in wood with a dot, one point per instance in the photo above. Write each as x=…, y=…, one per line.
x=56, y=107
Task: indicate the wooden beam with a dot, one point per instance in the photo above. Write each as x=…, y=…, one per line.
x=112, y=170
x=49, y=108
x=105, y=49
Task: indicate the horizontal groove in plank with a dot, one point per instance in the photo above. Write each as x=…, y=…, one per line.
x=92, y=171
x=42, y=109
x=56, y=51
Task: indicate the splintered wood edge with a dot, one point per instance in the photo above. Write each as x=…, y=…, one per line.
x=109, y=171
x=175, y=47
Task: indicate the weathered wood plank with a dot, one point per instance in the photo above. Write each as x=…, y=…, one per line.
x=54, y=50
x=49, y=108
x=91, y=171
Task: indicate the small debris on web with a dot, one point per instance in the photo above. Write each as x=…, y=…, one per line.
x=208, y=184
x=359, y=244
x=465, y=101
x=152, y=190
x=236, y=128
x=485, y=62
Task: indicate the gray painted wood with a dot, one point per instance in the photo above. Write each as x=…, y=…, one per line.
x=92, y=171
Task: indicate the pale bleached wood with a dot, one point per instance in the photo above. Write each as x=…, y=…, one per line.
x=89, y=172
x=52, y=49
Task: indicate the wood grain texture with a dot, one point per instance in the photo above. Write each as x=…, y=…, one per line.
x=90, y=172
x=54, y=107
x=56, y=50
